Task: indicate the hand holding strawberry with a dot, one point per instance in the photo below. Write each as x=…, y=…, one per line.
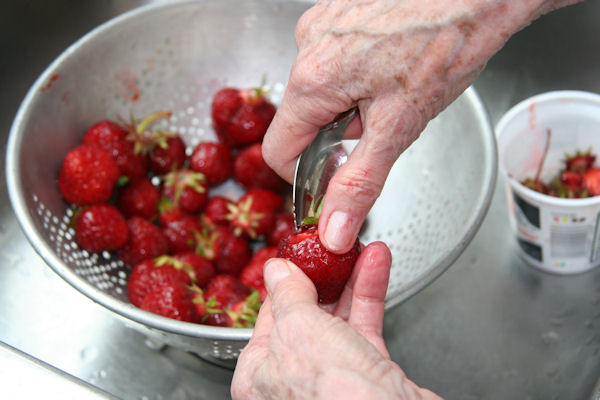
x=333, y=349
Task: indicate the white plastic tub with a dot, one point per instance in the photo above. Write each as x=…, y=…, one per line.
x=554, y=234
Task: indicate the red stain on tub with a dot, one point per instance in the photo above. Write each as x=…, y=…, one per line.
x=532, y=116
x=65, y=97
x=53, y=78
x=527, y=235
x=127, y=84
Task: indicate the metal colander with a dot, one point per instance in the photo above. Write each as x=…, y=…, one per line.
x=174, y=56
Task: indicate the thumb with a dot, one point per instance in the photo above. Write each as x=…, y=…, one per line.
x=287, y=286
x=387, y=131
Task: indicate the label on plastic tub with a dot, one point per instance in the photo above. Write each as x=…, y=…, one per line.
x=554, y=238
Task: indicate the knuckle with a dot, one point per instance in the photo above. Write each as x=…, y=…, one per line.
x=301, y=29
x=269, y=156
x=358, y=185
x=305, y=24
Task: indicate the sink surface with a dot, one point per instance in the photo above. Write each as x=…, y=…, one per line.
x=490, y=327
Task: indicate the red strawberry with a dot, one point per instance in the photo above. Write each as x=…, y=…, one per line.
x=217, y=209
x=167, y=211
x=227, y=302
x=104, y=133
x=241, y=117
x=171, y=300
x=186, y=189
x=591, y=181
x=580, y=162
x=204, y=309
x=328, y=271
x=571, y=180
x=283, y=226
x=139, y=198
x=207, y=239
x=213, y=160
x=536, y=185
x=146, y=240
x=242, y=314
x=254, y=213
x=151, y=274
x=232, y=252
x=252, y=274
x=251, y=171
x=101, y=227
x=203, y=269
x=113, y=138
x=167, y=154
x=166, y=151
x=181, y=233
x=88, y=176
x=221, y=293
x=226, y=290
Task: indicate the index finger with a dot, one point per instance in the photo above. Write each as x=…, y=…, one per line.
x=306, y=106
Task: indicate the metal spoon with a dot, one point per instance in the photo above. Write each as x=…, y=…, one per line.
x=317, y=165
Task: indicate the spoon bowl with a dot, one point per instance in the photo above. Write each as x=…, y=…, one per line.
x=316, y=166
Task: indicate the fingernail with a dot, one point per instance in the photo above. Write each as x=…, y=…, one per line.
x=276, y=270
x=339, y=231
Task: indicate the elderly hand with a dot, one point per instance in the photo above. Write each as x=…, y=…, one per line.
x=401, y=62
x=301, y=351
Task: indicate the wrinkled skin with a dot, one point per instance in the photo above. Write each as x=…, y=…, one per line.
x=300, y=350
x=400, y=62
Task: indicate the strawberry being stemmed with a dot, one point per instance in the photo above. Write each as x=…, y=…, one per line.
x=186, y=189
x=328, y=271
x=241, y=116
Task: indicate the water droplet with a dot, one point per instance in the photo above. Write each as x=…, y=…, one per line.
x=153, y=344
x=89, y=353
x=550, y=337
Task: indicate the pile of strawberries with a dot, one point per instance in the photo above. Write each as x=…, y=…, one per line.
x=578, y=178
x=193, y=256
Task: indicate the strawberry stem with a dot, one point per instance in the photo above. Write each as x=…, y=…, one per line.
x=546, y=148
x=146, y=122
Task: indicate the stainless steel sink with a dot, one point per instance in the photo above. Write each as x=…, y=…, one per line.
x=491, y=327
